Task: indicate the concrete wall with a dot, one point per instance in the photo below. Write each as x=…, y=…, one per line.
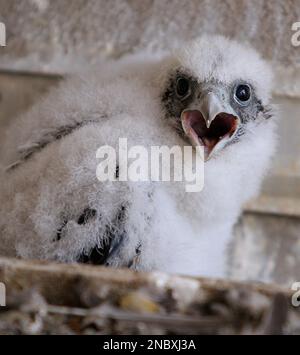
x=47, y=35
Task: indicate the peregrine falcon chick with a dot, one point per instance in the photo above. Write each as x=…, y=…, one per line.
x=213, y=93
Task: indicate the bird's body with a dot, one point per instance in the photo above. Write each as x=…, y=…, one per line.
x=54, y=207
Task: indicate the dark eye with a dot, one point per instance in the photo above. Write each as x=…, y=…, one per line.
x=242, y=93
x=182, y=87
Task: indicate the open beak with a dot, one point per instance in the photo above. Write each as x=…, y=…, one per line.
x=210, y=125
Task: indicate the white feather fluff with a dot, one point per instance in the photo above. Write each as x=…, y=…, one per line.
x=181, y=232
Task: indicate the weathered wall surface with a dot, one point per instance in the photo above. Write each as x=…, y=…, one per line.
x=19, y=92
x=52, y=35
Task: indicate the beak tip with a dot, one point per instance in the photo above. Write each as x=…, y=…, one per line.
x=208, y=123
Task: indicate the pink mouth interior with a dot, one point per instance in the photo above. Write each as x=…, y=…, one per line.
x=224, y=125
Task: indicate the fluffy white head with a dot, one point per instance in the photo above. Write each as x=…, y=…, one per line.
x=216, y=57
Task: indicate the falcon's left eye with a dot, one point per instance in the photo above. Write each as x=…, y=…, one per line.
x=182, y=87
x=242, y=94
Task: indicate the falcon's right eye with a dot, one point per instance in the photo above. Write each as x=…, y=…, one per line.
x=242, y=94
x=182, y=87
